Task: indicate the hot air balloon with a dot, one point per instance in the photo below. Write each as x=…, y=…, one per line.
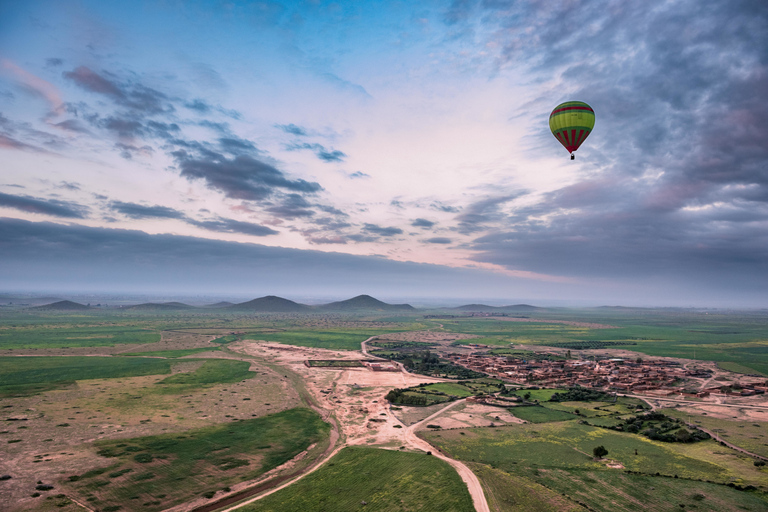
x=571, y=122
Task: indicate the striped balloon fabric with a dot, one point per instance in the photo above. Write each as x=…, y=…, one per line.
x=571, y=122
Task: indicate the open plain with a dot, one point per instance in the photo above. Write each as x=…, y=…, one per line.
x=109, y=425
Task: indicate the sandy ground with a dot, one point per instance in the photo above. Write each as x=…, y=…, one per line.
x=356, y=396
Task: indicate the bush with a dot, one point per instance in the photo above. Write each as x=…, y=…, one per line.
x=142, y=458
x=599, y=452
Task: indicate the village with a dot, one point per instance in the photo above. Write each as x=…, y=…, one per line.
x=654, y=377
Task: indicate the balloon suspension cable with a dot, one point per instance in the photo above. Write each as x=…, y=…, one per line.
x=573, y=157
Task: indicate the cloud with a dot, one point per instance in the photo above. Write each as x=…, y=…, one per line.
x=358, y=174
x=236, y=145
x=242, y=177
x=422, y=223
x=11, y=143
x=138, y=211
x=198, y=105
x=53, y=61
x=234, y=226
x=677, y=183
x=134, y=96
x=291, y=206
x=484, y=213
x=438, y=240
x=382, y=231
x=36, y=85
x=48, y=256
x=53, y=207
x=293, y=129
x=72, y=125
x=441, y=207
x=319, y=150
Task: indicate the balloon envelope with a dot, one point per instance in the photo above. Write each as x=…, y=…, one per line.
x=571, y=122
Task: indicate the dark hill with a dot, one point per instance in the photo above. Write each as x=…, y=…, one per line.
x=364, y=302
x=161, y=306
x=63, y=305
x=270, y=304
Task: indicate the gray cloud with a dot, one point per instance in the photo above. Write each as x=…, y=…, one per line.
x=439, y=206
x=242, y=177
x=359, y=174
x=677, y=179
x=483, y=214
x=48, y=256
x=53, y=207
x=72, y=125
x=422, y=223
x=134, y=96
x=234, y=226
x=138, y=211
x=438, y=240
x=292, y=206
x=293, y=129
x=382, y=231
x=319, y=150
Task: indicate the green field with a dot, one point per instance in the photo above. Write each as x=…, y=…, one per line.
x=558, y=456
x=67, y=336
x=328, y=339
x=25, y=375
x=425, y=395
x=542, y=395
x=384, y=480
x=213, y=371
x=171, y=354
x=609, y=491
x=750, y=435
x=157, y=472
x=539, y=414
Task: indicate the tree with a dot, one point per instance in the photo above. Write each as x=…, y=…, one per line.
x=599, y=452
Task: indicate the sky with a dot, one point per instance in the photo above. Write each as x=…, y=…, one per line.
x=391, y=148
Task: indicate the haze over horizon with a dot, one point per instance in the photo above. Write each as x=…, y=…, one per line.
x=333, y=149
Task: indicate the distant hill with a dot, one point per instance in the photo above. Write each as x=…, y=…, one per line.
x=483, y=307
x=222, y=304
x=62, y=305
x=364, y=302
x=270, y=304
x=161, y=306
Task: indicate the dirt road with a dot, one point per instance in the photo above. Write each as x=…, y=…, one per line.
x=466, y=474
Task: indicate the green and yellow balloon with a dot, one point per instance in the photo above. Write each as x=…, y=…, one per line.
x=571, y=123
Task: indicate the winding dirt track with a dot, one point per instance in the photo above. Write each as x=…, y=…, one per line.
x=407, y=437
x=466, y=474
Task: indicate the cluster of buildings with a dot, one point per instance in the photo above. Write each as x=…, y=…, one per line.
x=614, y=374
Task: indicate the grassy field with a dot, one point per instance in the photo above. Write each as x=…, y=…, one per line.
x=542, y=395
x=25, y=375
x=170, y=354
x=750, y=435
x=384, y=480
x=507, y=492
x=156, y=472
x=558, y=455
x=609, y=491
x=331, y=339
x=568, y=445
x=539, y=414
x=67, y=336
x=213, y=371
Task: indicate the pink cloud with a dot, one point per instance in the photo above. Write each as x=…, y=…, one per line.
x=43, y=88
